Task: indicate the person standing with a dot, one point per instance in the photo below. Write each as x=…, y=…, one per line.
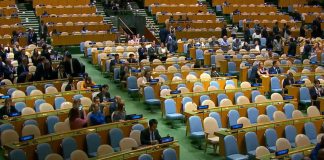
x=43, y=30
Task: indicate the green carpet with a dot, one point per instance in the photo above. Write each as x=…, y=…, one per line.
x=187, y=150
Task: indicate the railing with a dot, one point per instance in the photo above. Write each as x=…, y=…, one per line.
x=124, y=25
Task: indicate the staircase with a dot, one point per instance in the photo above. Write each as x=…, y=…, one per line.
x=107, y=19
x=28, y=17
x=150, y=24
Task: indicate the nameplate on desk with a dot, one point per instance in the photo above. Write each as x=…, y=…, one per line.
x=236, y=126
x=175, y=92
x=227, y=74
x=136, y=70
x=272, y=72
x=111, y=100
x=248, y=64
x=14, y=114
x=134, y=116
x=26, y=138
x=227, y=57
x=202, y=107
x=189, y=59
x=100, y=49
x=287, y=97
x=92, y=43
x=206, y=66
x=282, y=152
x=197, y=45
x=5, y=97
x=300, y=82
x=96, y=86
x=166, y=140
x=154, y=80
x=211, y=50
x=312, y=62
x=256, y=84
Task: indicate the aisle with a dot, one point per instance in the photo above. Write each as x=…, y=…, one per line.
x=187, y=151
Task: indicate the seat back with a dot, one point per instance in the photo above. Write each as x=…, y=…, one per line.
x=242, y=100
x=253, y=114
x=93, y=142
x=195, y=124
x=230, y=143
x=145, y=157
x=263, y=119
x=68, y=146
x=136, y=135
x=115, y=135
x=261, y=151
x=43, y=150
x=251, y=141
x=53, y=156
x=27, y=111
x=279, y=116
x=127, y=144
x=312, y=111
x=132, y=82
x=210, y=126
x=170, y=106
x=58, y=102
x=282, y=144
x=51, y=121
x=220, y=97
x=104, y=149
x=233, y=116
x=231, y=66
x=254, y=94
x=17, y=154
x=45, y=107
x=275, y=83
x=310, y=130
x=149, y=93
x=270, y=109
x=139, y=127
x=9, y=136
x=237, y=95
x=79, y=155
x=305, y=95
x=245, y=121
x=288, y=109
x=203, y=98
x=216, y=116
x=270, y=137
x=30, y=122
x=19, y=106
x=290, y=133
x=38, y=102
x=169, y=154
x=30, y=130
x=302, y=140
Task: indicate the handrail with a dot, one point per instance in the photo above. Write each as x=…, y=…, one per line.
x=125, y=25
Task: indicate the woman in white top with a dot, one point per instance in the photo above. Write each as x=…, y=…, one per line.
x=256, y=35
x=163, y=52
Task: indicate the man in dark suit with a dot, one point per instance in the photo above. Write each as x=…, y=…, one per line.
x=72, y=66
x=316, y=91
x=32, y=37
x=292, y=47
x=40, y=70
x=288, y=81
x=104, y=95
x=163, y=34
x=43, y=30
x=8, y=70
x=23, y=67
x=124, y=71
x=115, y=61
x=131, y=58
x=275, y=68
x=150, y=135
x=152, y=52
x=253, y=75
x=142, y=52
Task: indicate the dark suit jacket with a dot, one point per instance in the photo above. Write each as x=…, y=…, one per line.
x=132, y=60
x=7, y=72
x=254, y=73
x=287, y=82
x=40, y=72
x=314, y=94
x=4, y=111
x=145, y=136
x=21, y=69
x=101, y=95
x=274, y=70
x=76, y=67
x=292, y=49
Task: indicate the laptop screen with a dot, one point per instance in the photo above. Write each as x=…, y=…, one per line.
x=167, y=139
x=26, y=138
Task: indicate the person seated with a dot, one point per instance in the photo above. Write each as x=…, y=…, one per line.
x=315, y=151
x=87, y=84
x=72, y=66
x=315, y=92
x=119, y=114
x=214, y=72
x=115, y=61
x=131, y=58
x=23, y=67
x=236, y=44
x=150, y=135
x=70, y=86
x=275, y=68
x=8, y=108
x=180, y=19
x=262, y=71
x=163, y=52
x=236, y=12
x=147, y=77
x=288, y=81
x=45, y=13
x=96, y=117
x=107, y=111
x=142, y=52
x=224, y=44
x=76, y=122
x=104, y=94
x=124, y=71
x=60, y=73
x=84, y=30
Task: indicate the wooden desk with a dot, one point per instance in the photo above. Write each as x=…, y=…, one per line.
x=156, y=151
x=60, y=2
x=8, y=11
x=71, y=18
x=77, y=39
x=196, y=24
x=198, y=34
x=161, y=18
x=5, y=3
x=304, y=9
x=321, y=99
x=65, y=10
x=309, y=18
x=221, y=2
x=78, y=28
x=9, y=20
x=177, y=8
x=261, y=128
x=286, y=3
x=12, y=28
x=265, y=9
x=149, y=2
x=79, y=135
x=22, y=41
x=237, y=18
